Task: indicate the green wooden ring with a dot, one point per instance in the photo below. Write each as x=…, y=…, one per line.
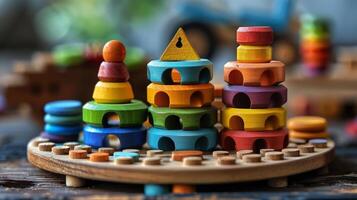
x=130, y=114
x=181, y=118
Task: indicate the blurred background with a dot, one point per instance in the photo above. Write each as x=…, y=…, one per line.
x=51, y=50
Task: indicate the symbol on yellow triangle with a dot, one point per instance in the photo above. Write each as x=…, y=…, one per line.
x=179, y=48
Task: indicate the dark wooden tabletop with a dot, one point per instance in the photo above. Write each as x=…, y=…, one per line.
x=20, y=180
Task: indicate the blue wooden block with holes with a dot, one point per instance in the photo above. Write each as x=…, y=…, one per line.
x=191, y=71
x=64, y=107
x=63, y=120
x=120, y=154
x=156, y=190
x=62, y=130
x=170, y=140
x=127, y=137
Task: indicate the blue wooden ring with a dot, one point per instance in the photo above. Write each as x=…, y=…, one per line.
x=64, y=107
x=62, y=130
x=170, y=140
x=60, y=138
x=63, y=120
x=191, y=72
x=129, y=137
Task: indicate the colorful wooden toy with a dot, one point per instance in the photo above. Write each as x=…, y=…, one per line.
x=113, y=72
x=169, y=140
x=118, y=138
x=105, y=92
x=114, y=51
x=254, y=119
x=254, y=54
x=254, y=74
x=254, y=97
x=129, y=114
x=60, y=138
x=62, y=130
x=187, y=119
x=63, y=120
x=64, y=107
x=244, y=140
x=187, y=72
x=256, y=35
x=184, y=96
x=307, y=135
x=307, y=124
x=179, y=48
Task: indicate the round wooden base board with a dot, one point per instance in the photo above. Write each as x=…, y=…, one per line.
x=174, y=172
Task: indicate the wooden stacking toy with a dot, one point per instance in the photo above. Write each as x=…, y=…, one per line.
x=63, y=120
x=254, y=119
x=315, y=45
x=180, y=95
x=307, y=127
x=114, y=118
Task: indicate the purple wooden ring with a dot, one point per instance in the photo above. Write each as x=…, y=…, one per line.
x=113, y=72
x=60, y=138
x=238, y=96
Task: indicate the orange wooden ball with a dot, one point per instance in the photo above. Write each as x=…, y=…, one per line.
x=114, y=51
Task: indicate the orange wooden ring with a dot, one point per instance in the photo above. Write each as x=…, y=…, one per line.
x=180, y=96
x=254, y=74
x=183, y=189
x=99, y=157
x=307, y=135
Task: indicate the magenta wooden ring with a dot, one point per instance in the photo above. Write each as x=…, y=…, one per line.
x=113, y=72
x=238, y=96
x=244, y=140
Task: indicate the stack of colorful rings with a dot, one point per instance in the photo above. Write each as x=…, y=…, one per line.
x=114, y=118
x=181, y=95
x=63, y=121
x=254, y=118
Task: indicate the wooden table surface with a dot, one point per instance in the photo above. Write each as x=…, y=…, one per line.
x=20, y=180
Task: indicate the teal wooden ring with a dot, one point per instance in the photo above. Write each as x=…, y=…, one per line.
x=130, y=114
x=63, y=120
x=182, y=118
x=170, y=140
x=191, y=72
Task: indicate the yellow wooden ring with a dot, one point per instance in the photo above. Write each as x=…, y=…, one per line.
x=254, y=54
x=306, y=135
x=307, y=124
x=254, y=119
x=254, y=74
x=107, y=92
x=180, y=96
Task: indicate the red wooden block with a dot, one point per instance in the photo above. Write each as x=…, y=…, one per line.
x=114, y=51
x=113, y=72
x=255, y=35
x=243, y=140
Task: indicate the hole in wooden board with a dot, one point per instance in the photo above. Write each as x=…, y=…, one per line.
x=110, y=119
x=166, y=144
x=229, y=143
x=196, y=99
x=201, y=143
x=112, y=141
x=241, y=100
x=205, y=121
x=204, y=76
x=271, y=123
x=173, y=122
x=267, y=78
x=179, y=42
x=236, y=123
x=166, y=77
x=276, y=100
x=162, y=99
x=259, y=144
x=235, y=77
x=175, y=76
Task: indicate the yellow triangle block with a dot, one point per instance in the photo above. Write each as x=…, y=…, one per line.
x=179, y=48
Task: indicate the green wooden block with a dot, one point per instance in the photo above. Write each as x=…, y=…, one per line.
x=130, y=114
x=182, y=118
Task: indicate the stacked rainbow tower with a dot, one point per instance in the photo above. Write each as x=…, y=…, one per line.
x=254, y=118
x=114, y=118
x=181, y=96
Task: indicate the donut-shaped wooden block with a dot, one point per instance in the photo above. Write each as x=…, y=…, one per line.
x=243, y=140
x=254, y=119
x=254, y=54
x=113, y=72
x=170, y=140
x=180, y=96
x=254, y=97
x=254, y=74
x=105, y=92
x=186, y=72
x=129, y=114
x=255, y=35
x=181, y=118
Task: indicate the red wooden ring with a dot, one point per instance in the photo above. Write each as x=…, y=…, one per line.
x=244, y=140
x=113, y=72
x=255, y=35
